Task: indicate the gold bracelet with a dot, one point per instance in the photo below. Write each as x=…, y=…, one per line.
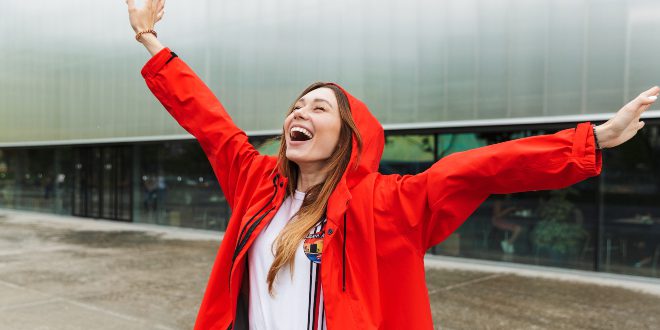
x=139, y=34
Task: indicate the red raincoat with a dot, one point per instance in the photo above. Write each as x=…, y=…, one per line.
x=378, y=226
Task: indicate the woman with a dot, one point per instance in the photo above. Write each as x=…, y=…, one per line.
x=365, y=234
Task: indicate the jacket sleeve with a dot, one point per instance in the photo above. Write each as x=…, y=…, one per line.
x=433, y=204
x=198, y=111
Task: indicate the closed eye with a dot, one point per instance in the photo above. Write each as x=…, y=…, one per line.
x=316, y=108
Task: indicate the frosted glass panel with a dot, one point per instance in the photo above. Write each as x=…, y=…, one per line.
x=410, y=61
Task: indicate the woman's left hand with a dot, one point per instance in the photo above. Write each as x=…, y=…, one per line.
x=625, y=124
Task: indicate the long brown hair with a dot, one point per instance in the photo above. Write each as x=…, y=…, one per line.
x=316, y=199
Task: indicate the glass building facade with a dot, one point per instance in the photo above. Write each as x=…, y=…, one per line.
x=82, y=135
x=606, y=223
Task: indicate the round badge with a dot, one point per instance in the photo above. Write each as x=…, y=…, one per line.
x=313, y=246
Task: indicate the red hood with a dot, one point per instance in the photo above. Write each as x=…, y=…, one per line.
x=373, y=141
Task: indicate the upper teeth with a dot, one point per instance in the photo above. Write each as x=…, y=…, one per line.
x=302, y=130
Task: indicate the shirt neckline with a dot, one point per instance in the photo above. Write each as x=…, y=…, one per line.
x=299, y=195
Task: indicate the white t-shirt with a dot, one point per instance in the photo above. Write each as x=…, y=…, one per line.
x=298, y=300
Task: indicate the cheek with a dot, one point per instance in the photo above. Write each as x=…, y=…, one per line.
x=331, y=137
x=287, y=121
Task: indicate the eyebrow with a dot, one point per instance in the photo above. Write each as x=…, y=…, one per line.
x=316, y=100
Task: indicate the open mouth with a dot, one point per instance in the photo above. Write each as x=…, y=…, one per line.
x=300, y=134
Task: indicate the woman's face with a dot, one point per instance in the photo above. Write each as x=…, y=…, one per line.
x=312, y=128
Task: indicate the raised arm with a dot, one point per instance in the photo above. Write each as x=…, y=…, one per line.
x=436, y=202
x=433, y=204
x=194, y=107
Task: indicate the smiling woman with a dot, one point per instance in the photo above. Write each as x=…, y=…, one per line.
x=315, y=124
x=317, y=237
x=313, y=155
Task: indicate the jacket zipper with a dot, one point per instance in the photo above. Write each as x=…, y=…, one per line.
x=240, y=236
x=243, y=240
x=241, y=245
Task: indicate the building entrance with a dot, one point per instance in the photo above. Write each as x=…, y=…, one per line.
x=102, y=182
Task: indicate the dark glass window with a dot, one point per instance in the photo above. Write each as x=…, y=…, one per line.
x=65, y=170
x=178, y=187
x=27, y=178
x=608, y=223
x=266, y=146
x=407, y=154
x=631, y=205
x=8, y=178
x=543, y=227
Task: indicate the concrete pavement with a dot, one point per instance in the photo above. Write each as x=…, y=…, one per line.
x=71, y=273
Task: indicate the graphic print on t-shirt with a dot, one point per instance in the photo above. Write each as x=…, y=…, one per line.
x=313, y=243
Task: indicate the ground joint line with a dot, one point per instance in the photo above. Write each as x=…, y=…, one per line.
x=466, y=283
x=53, y=298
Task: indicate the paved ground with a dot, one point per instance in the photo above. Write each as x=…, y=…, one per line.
x=68, y=273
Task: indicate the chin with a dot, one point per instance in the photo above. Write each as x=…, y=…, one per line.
x=298, y=159
x=293, y=157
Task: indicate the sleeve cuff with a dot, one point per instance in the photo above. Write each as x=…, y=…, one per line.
x=156, y=62
x=584, y=149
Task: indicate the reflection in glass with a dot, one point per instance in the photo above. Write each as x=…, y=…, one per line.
x=65, y=170
x=560, y=235
x=8, y=186
x=37, y=179
x=407, y=154
x=554, y=228
x=267, y=146
x=177, y=187
x=28, y=179
x=631, y=206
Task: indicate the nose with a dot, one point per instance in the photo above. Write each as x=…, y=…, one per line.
x=299, y=113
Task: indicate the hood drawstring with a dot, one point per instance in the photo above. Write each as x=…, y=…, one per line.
x=343, y=259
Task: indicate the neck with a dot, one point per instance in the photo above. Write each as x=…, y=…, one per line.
x=310, y=175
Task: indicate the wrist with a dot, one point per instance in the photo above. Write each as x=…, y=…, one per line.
x=151, y=43
x=603, y=135
x=146, y=36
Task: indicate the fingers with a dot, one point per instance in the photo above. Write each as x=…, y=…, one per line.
x=643, y=101
x=160, y=6
x=160, y=15
x=151, y=7
x=646, y=106
x=652, y=91
x=640, y=125
x=131, y=4
x=649, y=96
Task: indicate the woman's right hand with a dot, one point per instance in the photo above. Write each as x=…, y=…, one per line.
x=145, y=18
